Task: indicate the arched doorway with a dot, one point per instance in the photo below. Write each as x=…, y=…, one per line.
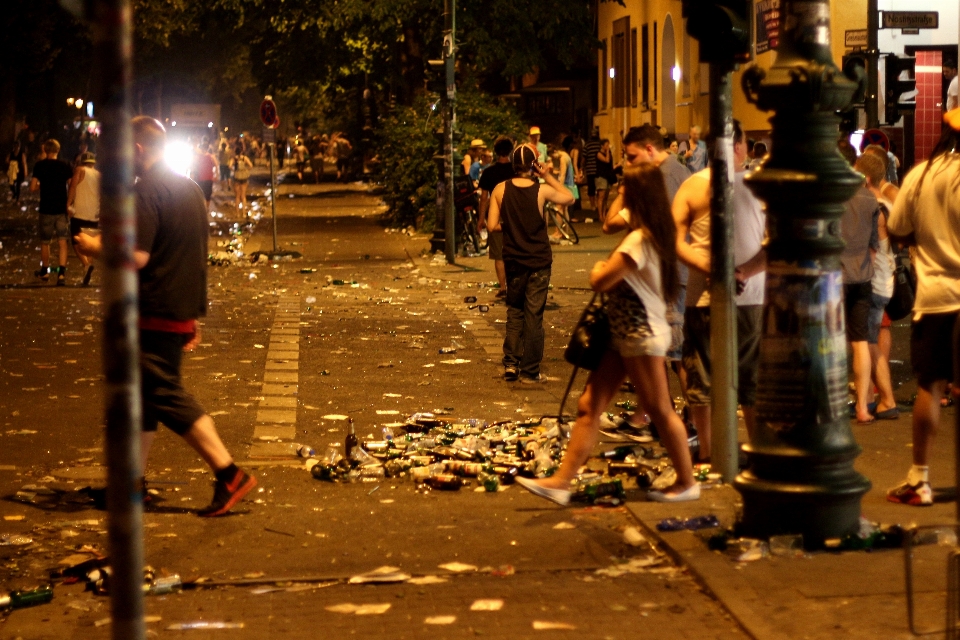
x=668, y=86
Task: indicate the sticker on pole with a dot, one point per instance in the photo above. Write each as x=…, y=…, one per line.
x=268, y=113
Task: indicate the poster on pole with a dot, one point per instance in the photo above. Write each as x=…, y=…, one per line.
x=767, y=16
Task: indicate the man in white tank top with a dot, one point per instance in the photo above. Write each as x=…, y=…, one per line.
x=691, y=211
x=83, y=205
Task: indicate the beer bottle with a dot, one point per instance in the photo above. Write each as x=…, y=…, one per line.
x=350, y=441
x=21, y=599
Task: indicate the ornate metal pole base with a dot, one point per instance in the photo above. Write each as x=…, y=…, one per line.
x=801, y=477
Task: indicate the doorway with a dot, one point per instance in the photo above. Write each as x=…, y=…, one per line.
x=668, y=86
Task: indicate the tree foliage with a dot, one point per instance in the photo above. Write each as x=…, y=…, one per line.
x=406, y=146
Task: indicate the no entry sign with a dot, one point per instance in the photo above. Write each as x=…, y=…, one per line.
x=268, y=113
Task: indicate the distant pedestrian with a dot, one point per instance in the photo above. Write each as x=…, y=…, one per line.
x=302, y=156
x=884, y=265
x=760, y=152
x=224, y=157
x=16, y=170
x=691, y=213
x=341, y=150
x=923, y=216
x=83, y=206
x=241, y=169
x=953, y=89
x=171, y=256
x=517, y=208
x=590, y=150
x=496, y=173
x=695, y=151
x=542, y=155
x=50, y=178
x=640, y=278
x=605, y=177
x=472, y=155
x=858, y=229
x=204, y=170
x=317, y=148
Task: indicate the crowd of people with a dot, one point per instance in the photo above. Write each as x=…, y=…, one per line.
x=656, y=283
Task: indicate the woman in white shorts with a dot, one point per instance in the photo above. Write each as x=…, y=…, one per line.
x=639, y=278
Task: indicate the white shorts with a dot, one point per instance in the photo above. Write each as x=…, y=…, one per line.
x=634, y=347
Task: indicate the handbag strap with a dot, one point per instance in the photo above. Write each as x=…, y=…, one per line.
x=576, y=369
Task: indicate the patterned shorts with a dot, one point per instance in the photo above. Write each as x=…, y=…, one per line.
x=630, y=332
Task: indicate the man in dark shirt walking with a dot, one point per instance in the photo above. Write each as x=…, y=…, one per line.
x=496, y=173
x=171, y=256
x=51, y=177
x=516, y=208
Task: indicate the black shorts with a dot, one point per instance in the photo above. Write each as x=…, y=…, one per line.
x=591, y=185
x=161, y=389
x=76, y=224
x=857, y=300
x=495, y=245
x=696, y=353
x=207, y=187
x=933, y=342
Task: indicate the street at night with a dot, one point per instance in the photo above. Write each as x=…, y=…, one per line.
x=514, y=319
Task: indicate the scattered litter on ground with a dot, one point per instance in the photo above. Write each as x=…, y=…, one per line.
x=458, y=567
x=359, y=609
x=427, y=580
x=564, y=525
x=542, y=625
x=633, y=565
x=204, y=625
x=382, y=575
x=440, y=620
x=486, y=605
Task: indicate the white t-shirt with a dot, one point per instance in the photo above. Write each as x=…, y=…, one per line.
x=932, y=213
x=749, y=226
x=952, y=102
x=645, y=279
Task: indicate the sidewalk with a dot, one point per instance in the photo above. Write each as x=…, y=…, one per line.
x=854, y=594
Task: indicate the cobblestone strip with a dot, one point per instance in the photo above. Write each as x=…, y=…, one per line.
x=275, y=432
x=481, y=325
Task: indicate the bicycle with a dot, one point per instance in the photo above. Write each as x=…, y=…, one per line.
x=467, y=205
x=561, y=220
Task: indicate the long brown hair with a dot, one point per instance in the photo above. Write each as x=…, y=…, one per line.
x=645, y=197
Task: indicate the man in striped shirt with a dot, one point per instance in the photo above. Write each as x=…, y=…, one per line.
x=590, y=166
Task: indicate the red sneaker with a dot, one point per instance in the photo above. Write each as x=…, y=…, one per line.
x=227, y=494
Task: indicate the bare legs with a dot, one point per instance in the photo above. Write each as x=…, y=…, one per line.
x=649, y=378
x=204, y=439
x=926, y=420
x=240, y=194
x=501, y=270
x=861, y=378
x=880, y=358
x=45, y=253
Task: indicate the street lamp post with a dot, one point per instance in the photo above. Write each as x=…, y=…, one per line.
x=801, y=477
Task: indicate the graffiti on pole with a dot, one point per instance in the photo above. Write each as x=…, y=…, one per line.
x=767, y=16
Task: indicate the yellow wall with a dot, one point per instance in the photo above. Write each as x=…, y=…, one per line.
x=845, y=14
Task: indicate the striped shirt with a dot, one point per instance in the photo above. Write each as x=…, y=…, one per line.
x=590, y=157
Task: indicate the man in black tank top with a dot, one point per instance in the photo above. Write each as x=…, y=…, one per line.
x=516, y=208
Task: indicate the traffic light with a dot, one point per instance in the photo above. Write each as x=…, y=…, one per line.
x=440, y=158
x=894, y=87
x=722, y=27
x=854, y=66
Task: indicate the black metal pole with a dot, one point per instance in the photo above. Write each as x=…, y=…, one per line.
x=801, y=477
x=449, y=58
x=870, y=101
x=723, y=308
x=113, y=61
x=272, y=150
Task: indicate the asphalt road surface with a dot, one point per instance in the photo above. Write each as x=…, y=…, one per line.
x=364, y=350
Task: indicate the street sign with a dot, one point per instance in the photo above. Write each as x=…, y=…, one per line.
x=876, y=136
x=269, y=135
x=855, y=38
x=268, y=113
x=910, y=20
